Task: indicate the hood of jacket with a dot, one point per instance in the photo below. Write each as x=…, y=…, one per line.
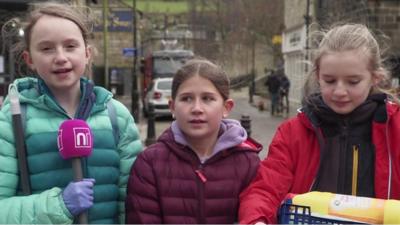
x=232, y=137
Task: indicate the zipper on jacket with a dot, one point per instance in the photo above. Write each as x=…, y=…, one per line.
x=389, y=189
x=320, y=138
x=200, y=174
x=344, y=145
x=345, y=130
x=355, y=170
x=201, y=199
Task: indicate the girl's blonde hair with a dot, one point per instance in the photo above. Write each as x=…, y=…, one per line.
x=345, y=38
x=203, y=68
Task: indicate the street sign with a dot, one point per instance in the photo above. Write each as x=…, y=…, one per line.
x=129, y=52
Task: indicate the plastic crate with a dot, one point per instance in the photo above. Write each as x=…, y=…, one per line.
x=298, y=214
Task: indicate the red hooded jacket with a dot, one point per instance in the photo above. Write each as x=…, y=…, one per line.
x=293, y=161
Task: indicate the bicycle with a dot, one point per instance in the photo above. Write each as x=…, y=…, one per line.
x=283, y=102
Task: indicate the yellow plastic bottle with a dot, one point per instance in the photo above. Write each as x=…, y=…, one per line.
x=368, y=210
x=317, y=201
x=392, y=212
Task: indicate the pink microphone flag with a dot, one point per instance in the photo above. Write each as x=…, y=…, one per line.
x=74, y=139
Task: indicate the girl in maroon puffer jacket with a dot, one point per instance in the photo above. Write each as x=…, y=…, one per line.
x=198, y=167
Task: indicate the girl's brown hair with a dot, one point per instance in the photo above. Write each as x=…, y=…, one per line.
x=203, y=68
x=80, y=15
x=345, y=38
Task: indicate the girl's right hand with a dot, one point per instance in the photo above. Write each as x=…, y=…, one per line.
x=78, y=196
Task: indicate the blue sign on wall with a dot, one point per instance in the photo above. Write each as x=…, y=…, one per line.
x=118, y=21
x=129, y=52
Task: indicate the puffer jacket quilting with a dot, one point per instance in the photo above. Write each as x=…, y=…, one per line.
x=168, y=184
x=108, y=164
x=293, y=160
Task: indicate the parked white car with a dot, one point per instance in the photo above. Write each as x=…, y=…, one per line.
x=159, y=93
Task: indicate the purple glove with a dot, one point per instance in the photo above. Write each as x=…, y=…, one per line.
x=78, y=196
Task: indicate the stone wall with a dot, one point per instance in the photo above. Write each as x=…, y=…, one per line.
x=294, y=11
x=383, y=17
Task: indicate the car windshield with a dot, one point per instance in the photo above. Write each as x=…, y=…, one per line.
x=164, y=85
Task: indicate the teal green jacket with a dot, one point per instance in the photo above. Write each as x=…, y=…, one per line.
x=109, y=164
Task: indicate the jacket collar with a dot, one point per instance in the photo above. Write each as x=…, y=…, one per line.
x=34, y=91
x=310, y=115
x=179, y=146
x=87, y=99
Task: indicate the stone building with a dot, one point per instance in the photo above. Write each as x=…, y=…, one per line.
x=119, y=42
x=295, y=45
x=381, y=16
x=115, y=44
x=9, y=9
x=115, y=47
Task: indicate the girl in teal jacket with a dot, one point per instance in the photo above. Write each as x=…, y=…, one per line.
x=57, y=50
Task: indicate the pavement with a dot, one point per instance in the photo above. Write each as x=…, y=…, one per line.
x=262, y=124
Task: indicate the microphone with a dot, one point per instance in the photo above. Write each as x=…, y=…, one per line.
x=75, y=141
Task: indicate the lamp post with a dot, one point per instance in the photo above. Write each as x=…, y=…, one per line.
x=14, y=32
x=135, y=93
x=105, y=43
x=307, y=21
x=253, y=67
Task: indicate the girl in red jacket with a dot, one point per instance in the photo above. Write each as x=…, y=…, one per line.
x=198, y=167
x=343, y=140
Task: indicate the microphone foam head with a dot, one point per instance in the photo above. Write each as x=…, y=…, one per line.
x=74, y=139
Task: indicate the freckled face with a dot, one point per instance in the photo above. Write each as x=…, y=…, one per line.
x=345, y=80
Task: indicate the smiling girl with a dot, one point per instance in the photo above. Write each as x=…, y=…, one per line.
x=344, y=139
x=57, y=49
x=198, y=167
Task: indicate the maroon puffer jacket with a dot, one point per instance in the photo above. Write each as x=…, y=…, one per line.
x=168, y=184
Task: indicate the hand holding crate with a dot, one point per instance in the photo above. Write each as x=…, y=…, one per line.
x=325, y=207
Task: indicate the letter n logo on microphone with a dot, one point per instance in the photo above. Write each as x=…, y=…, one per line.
x=82, y=137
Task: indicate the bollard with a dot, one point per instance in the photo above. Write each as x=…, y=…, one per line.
x=245, y=121
x=151, y=130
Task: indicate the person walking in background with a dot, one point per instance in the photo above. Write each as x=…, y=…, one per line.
x=196, y=170
x=283, y=91
x=344, y=139
x=56, y=48
x=273, y=85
